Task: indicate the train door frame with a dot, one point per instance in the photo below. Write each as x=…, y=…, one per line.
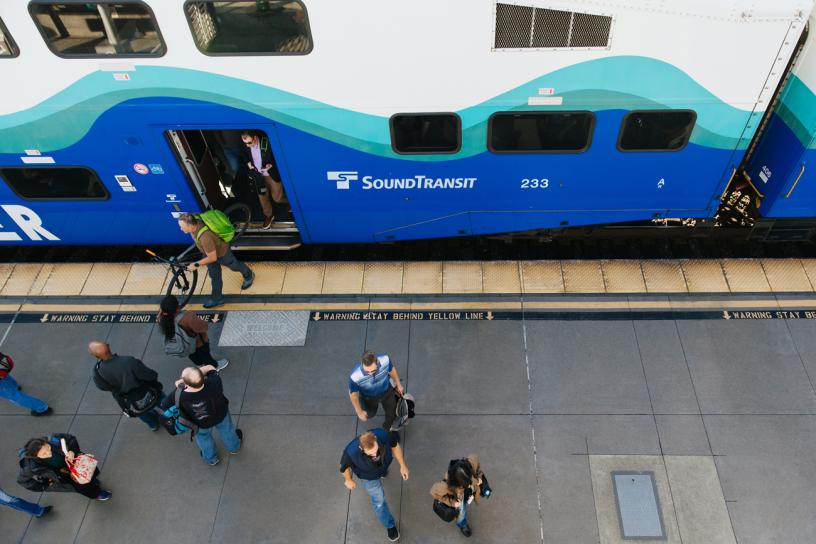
x=198, y=186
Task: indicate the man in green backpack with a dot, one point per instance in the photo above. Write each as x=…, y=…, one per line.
x=215, y=248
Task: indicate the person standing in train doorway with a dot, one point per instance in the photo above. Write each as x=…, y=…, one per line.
x=257, y=155
x=216, y=253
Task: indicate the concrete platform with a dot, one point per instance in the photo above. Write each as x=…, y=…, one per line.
x=723, y=411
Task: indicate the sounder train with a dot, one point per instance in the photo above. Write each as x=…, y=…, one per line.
x=388, y=121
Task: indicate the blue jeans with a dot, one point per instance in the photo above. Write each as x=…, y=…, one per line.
x=8, y=390
x=377, y=493
x=206, y=442
x=461, y=521
x=22, y=505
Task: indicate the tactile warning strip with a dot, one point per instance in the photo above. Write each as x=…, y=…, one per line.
x=618, y=277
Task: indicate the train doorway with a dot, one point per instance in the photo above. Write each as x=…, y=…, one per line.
x=225, y=166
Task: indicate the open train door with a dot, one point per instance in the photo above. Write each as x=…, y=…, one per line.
x=218, y=164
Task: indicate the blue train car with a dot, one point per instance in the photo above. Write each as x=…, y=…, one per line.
x=383, y=121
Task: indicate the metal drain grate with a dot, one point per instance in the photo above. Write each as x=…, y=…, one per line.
x=265, y=329
x=638, y=506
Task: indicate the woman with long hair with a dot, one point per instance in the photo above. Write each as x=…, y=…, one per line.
x=194, y=326
x=460, y=487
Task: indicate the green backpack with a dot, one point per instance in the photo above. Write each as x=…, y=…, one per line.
x=217, y=222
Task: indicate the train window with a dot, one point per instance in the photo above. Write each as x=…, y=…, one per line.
x=427, y=133
x=98, y=29
x=259, y=27
x=663, y=130
x=7, y=46
x=48, y=183
x=540, y=132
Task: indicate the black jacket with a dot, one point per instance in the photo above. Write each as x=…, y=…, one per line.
x=266, y=157
x=37, y=476
x=122, y=374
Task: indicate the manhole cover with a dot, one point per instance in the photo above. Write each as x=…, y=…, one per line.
x=265, y=329
x=638, y=506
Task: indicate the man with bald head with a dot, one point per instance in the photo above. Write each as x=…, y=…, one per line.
x=202, y=401
x=125, y=377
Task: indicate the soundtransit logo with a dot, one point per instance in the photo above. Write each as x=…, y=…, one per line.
x=342, y=178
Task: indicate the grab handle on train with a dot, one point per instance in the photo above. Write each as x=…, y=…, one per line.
x=797, y=181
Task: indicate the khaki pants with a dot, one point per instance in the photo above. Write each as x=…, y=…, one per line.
x=274, y=191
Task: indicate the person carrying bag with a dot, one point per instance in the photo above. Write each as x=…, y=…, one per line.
x=464, y=482
x=134, y=386
x=57, y=464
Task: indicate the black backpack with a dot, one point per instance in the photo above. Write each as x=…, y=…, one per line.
x=134, y=403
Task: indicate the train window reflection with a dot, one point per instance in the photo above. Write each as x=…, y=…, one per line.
x=540, y=132
x=426, y=133
x=663, y=130
x=259, y=27
x=55, y=183
x=7, y=46
x=98, y=29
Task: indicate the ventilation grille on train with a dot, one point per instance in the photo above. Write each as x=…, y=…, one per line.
x=525, y=27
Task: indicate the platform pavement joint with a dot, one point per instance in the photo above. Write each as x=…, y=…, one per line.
x=723, y=412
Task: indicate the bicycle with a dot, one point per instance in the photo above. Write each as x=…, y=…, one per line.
x=183, y=281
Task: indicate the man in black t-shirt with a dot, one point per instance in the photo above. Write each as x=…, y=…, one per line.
x=202, y=401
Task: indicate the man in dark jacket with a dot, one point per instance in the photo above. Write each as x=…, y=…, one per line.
x=368, y=456
x=202, y=401
x=121, y=374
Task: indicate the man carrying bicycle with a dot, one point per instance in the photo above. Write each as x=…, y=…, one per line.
x=216, y=253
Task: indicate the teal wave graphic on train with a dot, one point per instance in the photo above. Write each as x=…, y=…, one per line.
x=614, y=83
x=797, y=108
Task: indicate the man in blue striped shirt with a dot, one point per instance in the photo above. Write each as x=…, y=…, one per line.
x=370, y=385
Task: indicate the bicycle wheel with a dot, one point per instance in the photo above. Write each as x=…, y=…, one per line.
x=182, y=285
x=240, y=215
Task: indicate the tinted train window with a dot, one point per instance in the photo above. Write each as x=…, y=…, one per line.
x=656, y=130
x=250, y=28
x=426, y=133
x=98, y=29
x=7, y=46
x=541, y=132
x=54, y=183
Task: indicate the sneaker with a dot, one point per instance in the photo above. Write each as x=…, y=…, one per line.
x=466, y=530
x=156, y=428
x=104, y=495
x=214, y=302
x=222, y=364
x=213, y=463
x=248, y=281
x=47, y=412
x=393, y=534
x=45, y=511
x=240, y=434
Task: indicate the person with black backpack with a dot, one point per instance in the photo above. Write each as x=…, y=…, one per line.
x=134, y=386
x=463, y=483
x=9, y=389
x=186, y=334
